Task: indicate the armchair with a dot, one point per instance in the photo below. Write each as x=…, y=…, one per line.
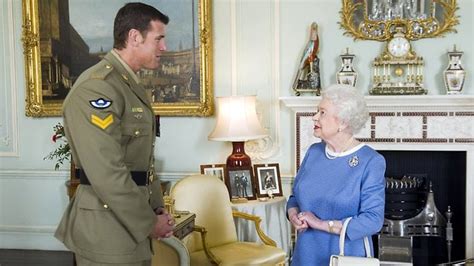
x=215, y=241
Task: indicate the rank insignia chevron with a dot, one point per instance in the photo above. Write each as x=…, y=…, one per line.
x=102, y=123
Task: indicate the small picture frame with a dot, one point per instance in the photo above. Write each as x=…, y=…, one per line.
x=268, y=180
x=240, y=183
x=214, y=169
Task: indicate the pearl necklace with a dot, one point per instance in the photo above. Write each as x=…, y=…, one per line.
x=337, y=154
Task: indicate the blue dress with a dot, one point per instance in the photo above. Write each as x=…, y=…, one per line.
x=352, y=185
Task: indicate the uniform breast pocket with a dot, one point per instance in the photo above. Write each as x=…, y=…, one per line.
x=137, y=142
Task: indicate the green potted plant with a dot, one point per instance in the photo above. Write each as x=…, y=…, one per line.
x=63, y=152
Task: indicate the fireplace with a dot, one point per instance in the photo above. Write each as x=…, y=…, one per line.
x=419, y=135
x=443, y=173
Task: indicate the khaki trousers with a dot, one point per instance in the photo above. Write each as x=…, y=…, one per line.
x=82, y=261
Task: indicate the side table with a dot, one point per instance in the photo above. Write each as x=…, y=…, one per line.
x=274, y=222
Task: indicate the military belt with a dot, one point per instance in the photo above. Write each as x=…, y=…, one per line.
x=139, y=177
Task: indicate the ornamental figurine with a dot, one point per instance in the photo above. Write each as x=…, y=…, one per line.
x=308, y=77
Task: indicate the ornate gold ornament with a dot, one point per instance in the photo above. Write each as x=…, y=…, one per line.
x=378, y=19
x=398, y=70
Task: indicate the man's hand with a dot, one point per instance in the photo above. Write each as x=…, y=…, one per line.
x=164, y=225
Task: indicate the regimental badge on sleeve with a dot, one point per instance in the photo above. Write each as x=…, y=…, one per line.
x=100, y=103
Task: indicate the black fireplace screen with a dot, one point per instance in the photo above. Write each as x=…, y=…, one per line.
x=406, y=196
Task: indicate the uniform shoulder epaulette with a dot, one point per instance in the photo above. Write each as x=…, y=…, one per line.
x=102, y=71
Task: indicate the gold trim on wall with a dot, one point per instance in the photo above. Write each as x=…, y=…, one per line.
x=382, y=30
x=37, y=106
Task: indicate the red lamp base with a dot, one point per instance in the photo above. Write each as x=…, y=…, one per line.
x=238, y=158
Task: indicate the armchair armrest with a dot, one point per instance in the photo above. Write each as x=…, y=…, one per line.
x=207, y=251
x=257, y=220
x=170, y=251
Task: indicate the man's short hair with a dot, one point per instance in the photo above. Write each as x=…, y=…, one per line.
x=134, y=16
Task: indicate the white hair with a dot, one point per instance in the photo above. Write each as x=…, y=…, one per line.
x=350, y=104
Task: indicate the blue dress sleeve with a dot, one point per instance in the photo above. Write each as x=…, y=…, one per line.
x=370, y=218
x=292, y=200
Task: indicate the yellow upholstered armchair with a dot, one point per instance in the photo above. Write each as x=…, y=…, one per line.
x=215, y=240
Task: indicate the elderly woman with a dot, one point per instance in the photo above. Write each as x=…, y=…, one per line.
x=338, y=178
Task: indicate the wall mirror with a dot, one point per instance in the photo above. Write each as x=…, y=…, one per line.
x=379, y=19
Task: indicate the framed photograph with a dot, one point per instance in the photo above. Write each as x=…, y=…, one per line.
x=214, y=169
x=60, y=41
x=240, y=183
x=268, y=180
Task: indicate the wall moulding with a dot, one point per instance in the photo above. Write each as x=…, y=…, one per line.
x=266, y=85
x=8, y=96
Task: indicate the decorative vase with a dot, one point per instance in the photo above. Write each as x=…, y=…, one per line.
x=454, y=75
x=347, y=74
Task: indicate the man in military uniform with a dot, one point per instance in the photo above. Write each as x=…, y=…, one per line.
x=110, y=126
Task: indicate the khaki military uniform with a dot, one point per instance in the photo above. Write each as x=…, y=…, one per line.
x=110, y=126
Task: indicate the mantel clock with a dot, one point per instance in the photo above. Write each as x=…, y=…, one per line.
x=398, y=70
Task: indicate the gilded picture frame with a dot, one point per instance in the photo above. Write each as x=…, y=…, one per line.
x=182, y=86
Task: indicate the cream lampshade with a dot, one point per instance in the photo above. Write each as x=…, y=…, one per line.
x=237, y=121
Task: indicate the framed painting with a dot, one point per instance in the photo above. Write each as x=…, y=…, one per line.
x=62, y=38
x=240, y=183
x=268, y=180
x=214, y=169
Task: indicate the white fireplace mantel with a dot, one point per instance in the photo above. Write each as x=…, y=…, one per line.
x=405, y=102
x=408, y=122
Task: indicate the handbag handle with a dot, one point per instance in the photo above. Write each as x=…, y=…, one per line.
x=342, y=237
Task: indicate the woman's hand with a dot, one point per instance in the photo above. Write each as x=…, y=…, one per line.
x=311, y=220
x=299, y=225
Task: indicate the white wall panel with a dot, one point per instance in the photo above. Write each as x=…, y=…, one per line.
x=8, y=114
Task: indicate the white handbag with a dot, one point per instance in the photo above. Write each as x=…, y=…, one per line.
x=341, y=260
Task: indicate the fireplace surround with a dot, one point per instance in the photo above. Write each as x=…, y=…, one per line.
x=424, y=125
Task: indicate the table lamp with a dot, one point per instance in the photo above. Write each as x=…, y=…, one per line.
x=237, y=122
